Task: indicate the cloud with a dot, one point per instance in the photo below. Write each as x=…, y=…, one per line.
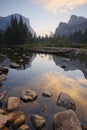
x=60, y=6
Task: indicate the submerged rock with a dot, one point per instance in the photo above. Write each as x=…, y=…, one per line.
x=3, y=121
x=66, y=120
x=2, y=95
x=29, y=95
x=38, y=121
x=14, y=65
x=2, y=111
x=13, y=103
x=66, y=101
x=44, y=108
x=24, y=127
x=19, y=121
x=2, y=78
x=47, y=94
x=14, y=115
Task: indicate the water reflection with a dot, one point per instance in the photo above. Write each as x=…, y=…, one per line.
x=40, y=72
x=23, y=58
x=72, y=63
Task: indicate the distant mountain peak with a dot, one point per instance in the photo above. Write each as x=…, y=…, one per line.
x=5, y=21
x=74, y=24
x=75, y=20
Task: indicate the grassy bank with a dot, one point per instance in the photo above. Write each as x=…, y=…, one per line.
x=50, y=45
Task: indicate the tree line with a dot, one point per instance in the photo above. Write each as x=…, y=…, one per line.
x=74, y=39
x=78, y=37
x=16, y=33
x=61, y=40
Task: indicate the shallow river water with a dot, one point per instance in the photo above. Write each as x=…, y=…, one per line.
x=40, y=72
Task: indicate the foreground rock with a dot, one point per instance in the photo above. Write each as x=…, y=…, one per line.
x=47, y=94
x=66, y=101
x=38, y=121
x=2, y=78
x=24, y=127
x=3, y=121
x=14, y=65
x=66, y=120
x=19, y=121
x=14, y=115
x=13, y=103
x=4, y=69
x=2, y=95
x=29, y=95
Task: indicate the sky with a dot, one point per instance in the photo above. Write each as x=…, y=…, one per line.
x=44, y=15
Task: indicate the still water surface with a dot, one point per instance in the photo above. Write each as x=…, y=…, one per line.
x=42, y=72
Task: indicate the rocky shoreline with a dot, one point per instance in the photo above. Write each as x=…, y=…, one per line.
x=58, y=50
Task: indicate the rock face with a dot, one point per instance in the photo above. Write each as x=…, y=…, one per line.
x=14, y=65
x=38, y=121
x=47, y=94
x=5, y=21
x=24, y=127
x=66, y=120
x=2, y=78
x=66, y=101
x=13, y=103
x=74, y=24
x=3, y=121
x=28, y=95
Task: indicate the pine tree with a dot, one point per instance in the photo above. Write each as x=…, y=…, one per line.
x=17, y=32
x=1, y=37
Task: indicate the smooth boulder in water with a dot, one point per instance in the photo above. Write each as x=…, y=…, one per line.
x=38, y=121
x=13, y=103
x=64, y=100
x=66, y=120
x=28, y=95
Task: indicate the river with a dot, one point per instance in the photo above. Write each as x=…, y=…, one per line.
x=40, y=72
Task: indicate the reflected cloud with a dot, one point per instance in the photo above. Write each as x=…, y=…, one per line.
x=57, y=83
